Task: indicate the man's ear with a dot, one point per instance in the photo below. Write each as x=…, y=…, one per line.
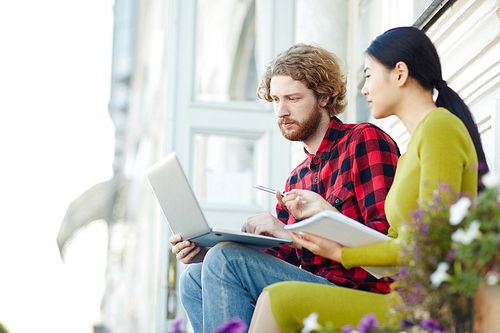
x=323, y=100
x=402, y=73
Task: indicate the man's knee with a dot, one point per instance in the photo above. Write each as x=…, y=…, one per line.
x=190, y=278
x=223, y=252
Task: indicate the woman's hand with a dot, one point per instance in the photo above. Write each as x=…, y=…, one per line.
x=303, y=203
x=318, y=245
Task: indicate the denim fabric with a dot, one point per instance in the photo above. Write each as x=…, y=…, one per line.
x=229, y=281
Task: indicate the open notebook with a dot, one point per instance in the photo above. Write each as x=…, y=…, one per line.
x=183, y=212
x=347, y=232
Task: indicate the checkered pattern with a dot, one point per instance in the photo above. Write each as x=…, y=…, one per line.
x=353, y=170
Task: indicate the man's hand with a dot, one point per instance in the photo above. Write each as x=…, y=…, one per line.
x=187, y=252
x=267, y=225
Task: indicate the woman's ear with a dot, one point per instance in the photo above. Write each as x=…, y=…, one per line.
x=402, y=73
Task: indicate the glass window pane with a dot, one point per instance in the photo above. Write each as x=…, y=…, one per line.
x=225, y=51
x=224, y=169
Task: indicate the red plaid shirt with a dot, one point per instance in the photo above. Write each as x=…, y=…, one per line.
x=353, y=170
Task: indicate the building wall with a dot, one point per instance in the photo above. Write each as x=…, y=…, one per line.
x=467, y=38
x=146, y=105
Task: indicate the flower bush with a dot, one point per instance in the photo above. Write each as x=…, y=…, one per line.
x=451, y=251
x=452, y=247
x=368, y=324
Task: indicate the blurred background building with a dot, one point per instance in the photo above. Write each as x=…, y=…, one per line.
x=184, y=77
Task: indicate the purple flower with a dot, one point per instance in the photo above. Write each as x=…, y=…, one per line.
x=435, y=206
x=399, y=308
x=346, y=329
x=406, y=323
x=444, y=187
x=433, y=260
x=367, y=323
x=403, y=270
x=424, y=228
x=416, y=214
x=416, y=254
x=430, y=324
x=413, y=298
x=176, y=324
x=232, y=325
x=451, y=255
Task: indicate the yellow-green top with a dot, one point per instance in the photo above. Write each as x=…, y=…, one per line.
x=439, y=152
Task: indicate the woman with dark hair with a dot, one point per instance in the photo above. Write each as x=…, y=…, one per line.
x=413, y=48
x=402, y=69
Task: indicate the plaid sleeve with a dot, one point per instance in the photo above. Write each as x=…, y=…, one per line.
x=284, y=252
x=373, y=168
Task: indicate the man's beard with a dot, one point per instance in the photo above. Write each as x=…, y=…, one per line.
x=305, y=128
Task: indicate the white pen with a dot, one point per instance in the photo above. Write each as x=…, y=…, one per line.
x=267, y=189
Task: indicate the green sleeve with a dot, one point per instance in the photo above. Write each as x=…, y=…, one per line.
x=445, y=153
x=383, y=254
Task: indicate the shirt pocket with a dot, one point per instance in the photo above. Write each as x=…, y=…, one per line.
x=342, y=195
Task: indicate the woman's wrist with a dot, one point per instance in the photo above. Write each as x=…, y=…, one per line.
x=327, y=206
x=339, y=255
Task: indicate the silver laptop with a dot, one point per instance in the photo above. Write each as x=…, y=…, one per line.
x=183, y=212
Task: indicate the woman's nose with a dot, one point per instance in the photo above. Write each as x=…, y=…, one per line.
x=364, y=90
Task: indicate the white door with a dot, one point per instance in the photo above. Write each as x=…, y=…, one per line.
x=226, y=139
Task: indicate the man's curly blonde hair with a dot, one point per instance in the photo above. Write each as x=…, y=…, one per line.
x=320, y=70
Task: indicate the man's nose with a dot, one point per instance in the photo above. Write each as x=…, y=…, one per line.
x=281, y=109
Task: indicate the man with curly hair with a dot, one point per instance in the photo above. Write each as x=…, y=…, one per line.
x=351, y=165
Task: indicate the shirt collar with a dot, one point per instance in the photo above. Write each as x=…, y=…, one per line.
x=333, y=133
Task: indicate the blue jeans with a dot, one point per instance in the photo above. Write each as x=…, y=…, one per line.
x=229, y=281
